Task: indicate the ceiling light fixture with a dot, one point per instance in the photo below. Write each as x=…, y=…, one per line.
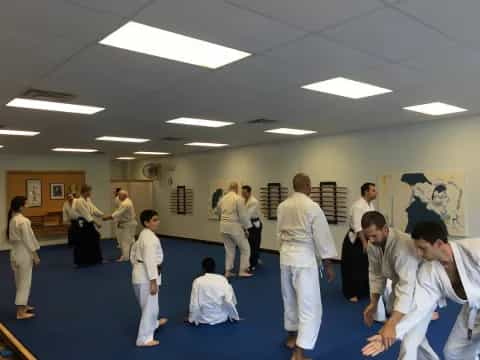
x=54, y=106
x=199, y=122
x=122, y=139
x=347, y=88
x=287, y=131
x=435, y=109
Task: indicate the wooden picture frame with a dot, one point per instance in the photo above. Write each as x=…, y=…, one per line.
x=33, y=192
x=57, y=191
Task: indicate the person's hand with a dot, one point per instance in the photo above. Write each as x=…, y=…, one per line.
x=153, y=287
x=388, y=334
x=365, y=247
x=369, y=314
x=329, y=272
x=36, y=259
x=374, y=346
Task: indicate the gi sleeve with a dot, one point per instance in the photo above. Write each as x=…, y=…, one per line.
x=406, y=266
x=194, y=310
x=95, y=211
x=376, y=279
x=357, y=214
x=427, y=295
x=28, y=237
x=122, y=209
x=149, y=257
x=230, y=302
x=322, y=237
x=242, y=214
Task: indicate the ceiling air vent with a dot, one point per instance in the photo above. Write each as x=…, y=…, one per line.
x=261, y=121
x=47, y=95
x=173, y=138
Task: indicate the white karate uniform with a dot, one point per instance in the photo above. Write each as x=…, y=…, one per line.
x=69, y=212
x=126, y=221
x=145, y=257
x=358, y=209
x=399, y=263
x=23, y=244
x=86, y=209
x=212, y=300
x=434, y=286
x=253, y=211
x=305, y=239
x=233, y=221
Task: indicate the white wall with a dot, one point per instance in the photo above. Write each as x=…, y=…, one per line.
x=97, y=171
x=349, y=159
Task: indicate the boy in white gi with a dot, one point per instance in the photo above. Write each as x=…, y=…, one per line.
x=451, y=270
x=212, y=300
x=146, y=257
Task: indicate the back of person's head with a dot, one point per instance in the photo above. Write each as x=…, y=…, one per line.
x=430, y=231
x=233, y=186
x=365, y=187
x=301, y=183
x=147, y=215
x=208, y=265
x=85, y=189
x=375, y=218
x=15, y=205
x=117, y=190
x=247, y=188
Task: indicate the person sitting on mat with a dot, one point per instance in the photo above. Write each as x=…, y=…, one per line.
x=212, y=300
x=146, y=256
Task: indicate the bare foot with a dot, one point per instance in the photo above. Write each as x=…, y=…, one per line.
x=229, y=274
x=299, y=355
x=150, y=343
x=24, y=316
x=30, y=308
x=291, y=342
x=245, y=274
x=353, y=299
x=162, y=322
x=435, y=316
x=120, y=259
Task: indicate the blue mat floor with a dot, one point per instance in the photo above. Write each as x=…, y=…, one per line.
x=92, y=313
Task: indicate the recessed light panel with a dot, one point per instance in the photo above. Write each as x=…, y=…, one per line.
x=347, y=88
x=54, y=106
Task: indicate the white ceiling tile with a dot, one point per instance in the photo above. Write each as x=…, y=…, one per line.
x=389, y=34
x=312, y=15
x=218, y=22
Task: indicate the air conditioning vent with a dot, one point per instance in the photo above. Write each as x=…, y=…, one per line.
x=47, y=95
x=261, y=121
x=173, y=138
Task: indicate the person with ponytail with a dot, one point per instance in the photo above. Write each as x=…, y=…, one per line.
x=23, y=255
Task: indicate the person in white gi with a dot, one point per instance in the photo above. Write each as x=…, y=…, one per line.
x=69, y=215
x=255, y=232
x=392, y=255
x=146, y=258
x=234, y=224
x=451, y=270
x=126, y=224
x=23, y=255
x=212, y=300
x=305, y=240
x=116, y=205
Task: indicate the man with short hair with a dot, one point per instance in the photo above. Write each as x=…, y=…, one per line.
x=354, y=250
x=255, y=232
x=450, y=270
x=212, y=300
x=234, y=224
x=305, y=241
x=125, y=219
x=392, y=255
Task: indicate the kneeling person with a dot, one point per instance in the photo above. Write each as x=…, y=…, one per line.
x=212, y=300
x=146, y=257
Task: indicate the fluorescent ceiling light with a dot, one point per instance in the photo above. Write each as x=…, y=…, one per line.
x=149, y=40
x=75, y=150
x=125, y=158
x=18, y=132
x=345, y=87
x=151, y=153
x=287, y=131
x=435, y=108
x=122, y=139
x=54, y=106
x=206, y=144
x=199, y=122
x=1, y=146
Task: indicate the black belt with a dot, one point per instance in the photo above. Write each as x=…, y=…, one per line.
x=255, y=219
x=158, y=266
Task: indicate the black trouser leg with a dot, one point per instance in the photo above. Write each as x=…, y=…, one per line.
x=254, y=241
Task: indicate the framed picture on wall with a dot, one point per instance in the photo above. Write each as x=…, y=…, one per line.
x=33, y=192
x=57, y=191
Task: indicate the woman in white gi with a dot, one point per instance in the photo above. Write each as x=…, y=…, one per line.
x=23, y=255
x=451, y=270
x=212, y=300
x=146, y=257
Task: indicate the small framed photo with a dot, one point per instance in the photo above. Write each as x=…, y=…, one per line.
x=34, y=192
x=57, y=191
